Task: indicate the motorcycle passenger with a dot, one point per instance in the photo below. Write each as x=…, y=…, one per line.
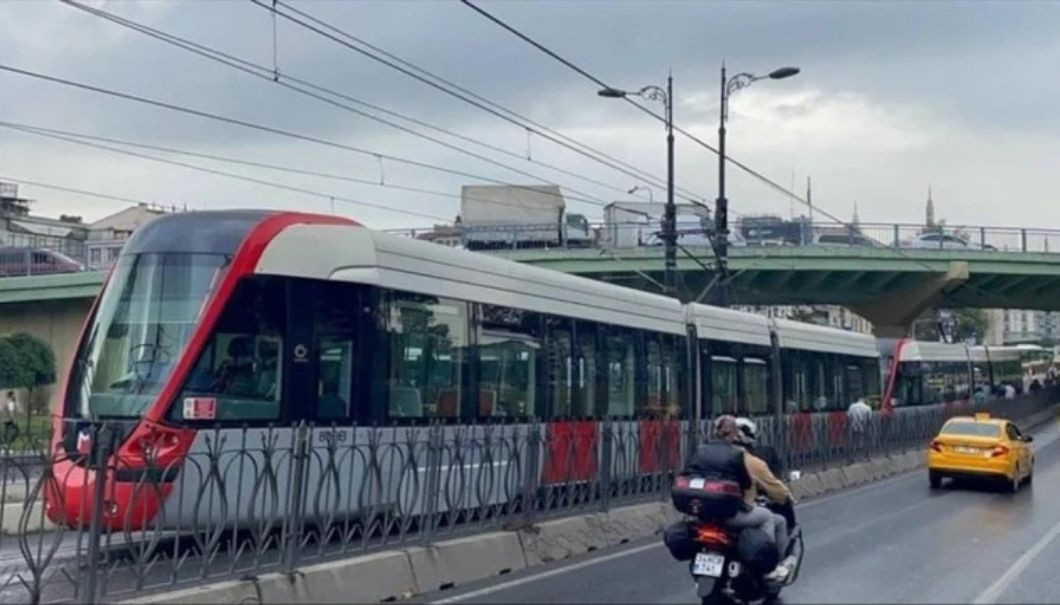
x=778, y=494
x=724, y=456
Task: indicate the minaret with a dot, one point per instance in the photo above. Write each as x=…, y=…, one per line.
x=930, y=209
x=855, y=221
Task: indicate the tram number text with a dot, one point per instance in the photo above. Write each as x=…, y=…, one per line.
x=332, y=436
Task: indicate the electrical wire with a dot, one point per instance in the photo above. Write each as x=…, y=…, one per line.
x=82, y=138
x=327, y=196
x=269, y=74
x=104, y=196
x=390, y=60
x=279, y=131
x=764, y=179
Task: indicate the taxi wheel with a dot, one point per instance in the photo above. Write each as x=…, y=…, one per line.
x=934, y=479
x=1015, y=485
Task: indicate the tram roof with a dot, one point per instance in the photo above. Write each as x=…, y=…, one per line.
x=812, y=337
x=996, y=354
x=358, y=254
x=717, y=323
x=918, y=350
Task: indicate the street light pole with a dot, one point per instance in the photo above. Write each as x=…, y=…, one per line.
x=721, y=208
x=721, y=205
x=669, y=222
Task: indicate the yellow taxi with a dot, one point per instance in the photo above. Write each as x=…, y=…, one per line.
x=981, y=447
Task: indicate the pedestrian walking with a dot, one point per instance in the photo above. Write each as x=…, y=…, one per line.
x=10, y=408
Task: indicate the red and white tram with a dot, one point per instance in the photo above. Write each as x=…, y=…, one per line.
x=238, y=326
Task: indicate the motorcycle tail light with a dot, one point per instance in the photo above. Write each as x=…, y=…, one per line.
x=706, y=533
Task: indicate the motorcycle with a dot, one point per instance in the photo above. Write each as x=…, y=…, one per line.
x=721, y=577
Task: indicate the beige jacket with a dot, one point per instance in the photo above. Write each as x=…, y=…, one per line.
x=762, y=479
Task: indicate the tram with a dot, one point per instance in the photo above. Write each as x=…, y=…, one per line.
x=226, y=331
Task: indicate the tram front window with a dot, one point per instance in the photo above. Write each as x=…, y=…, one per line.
x=144, y=319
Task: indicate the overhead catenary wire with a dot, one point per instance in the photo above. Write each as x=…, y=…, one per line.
x=96, y=194
x=279, y=131
x=307, y=88
x=754, y=173
x=83, y=138
x=390, y=60
x=302, y=190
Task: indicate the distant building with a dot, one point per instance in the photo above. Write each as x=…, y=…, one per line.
x=107, y=236
x=20, y=229
x=1027, y=326
x=95, y=245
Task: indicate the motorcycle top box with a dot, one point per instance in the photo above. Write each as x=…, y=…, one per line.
x=706, y=498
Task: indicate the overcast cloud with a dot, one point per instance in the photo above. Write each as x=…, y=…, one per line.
x=892, y=96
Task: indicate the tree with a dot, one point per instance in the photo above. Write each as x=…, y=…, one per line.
x=12, y=370
x=26, y=362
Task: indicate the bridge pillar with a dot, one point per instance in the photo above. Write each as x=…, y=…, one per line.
x=893, y=315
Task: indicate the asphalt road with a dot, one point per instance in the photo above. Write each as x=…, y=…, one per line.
x=890, y=542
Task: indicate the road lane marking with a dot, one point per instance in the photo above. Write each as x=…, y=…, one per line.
x=991, y=594
x=546, y=574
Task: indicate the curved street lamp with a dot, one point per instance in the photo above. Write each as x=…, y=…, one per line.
x=669, y=223
x=730, y=85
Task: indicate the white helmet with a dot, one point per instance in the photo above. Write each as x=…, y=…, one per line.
x=748, y=431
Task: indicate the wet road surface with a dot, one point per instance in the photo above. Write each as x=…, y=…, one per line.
x=891, y=542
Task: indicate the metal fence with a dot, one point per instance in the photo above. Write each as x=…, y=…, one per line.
x=906, y=236
x=245, y=501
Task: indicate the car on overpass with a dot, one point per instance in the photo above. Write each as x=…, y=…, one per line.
x=981, y=447
x=18, y=261
x=937, y=240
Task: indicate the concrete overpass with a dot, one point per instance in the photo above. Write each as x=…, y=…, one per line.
x=890, y=287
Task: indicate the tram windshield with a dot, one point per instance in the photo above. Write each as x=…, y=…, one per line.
x=145, y=318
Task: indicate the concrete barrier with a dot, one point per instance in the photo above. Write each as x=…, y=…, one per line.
x=855, y=474
x=557, y=539
x=465, y=559
x=11, y=518
x=831, y=480
x=881, y=468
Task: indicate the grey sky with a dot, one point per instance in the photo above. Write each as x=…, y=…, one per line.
x=892, y=96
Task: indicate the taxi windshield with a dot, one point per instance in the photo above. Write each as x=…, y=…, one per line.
x=145, y=318
x=971, y=428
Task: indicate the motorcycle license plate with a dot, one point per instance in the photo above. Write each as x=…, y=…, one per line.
x=708, y=564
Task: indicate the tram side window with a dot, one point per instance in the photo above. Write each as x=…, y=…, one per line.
x=560, y=366
x=723, y=380
x=854, y=380
x=621, y=391
x=335, y=332
x=870, y=373
x=509, y=348
x=652, y=404
x=820, y=380
x=427, y=339
x=674, y=363
x=239, y=371
x=584, y=404
x=756, y=385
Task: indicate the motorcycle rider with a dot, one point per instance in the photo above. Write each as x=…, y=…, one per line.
x=726, y=454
